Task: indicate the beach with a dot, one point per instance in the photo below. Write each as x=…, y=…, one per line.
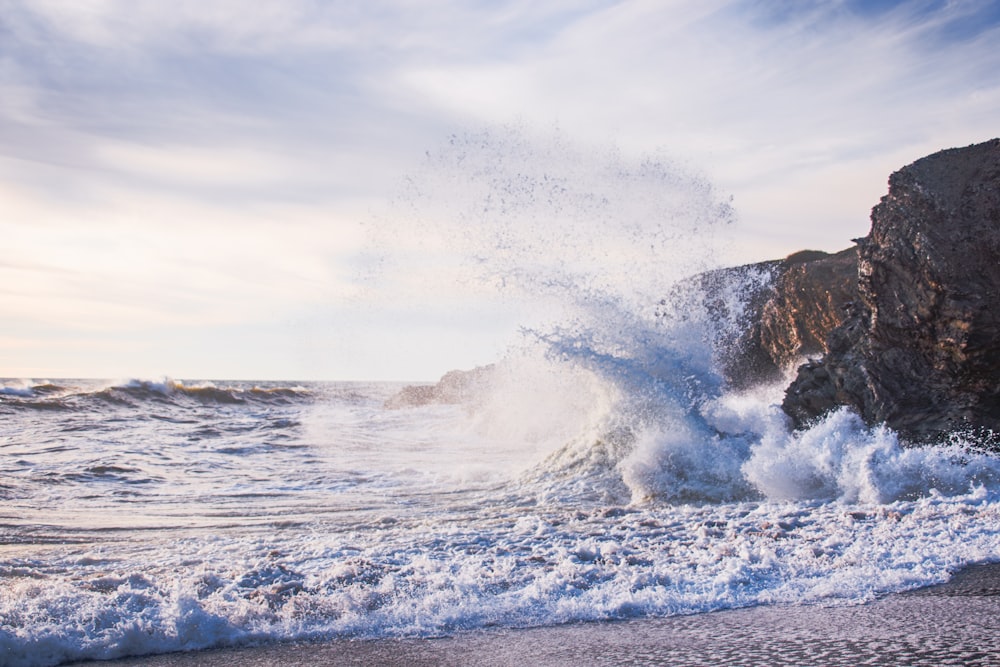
x=955, y=623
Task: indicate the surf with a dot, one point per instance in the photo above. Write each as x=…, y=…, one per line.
x=618, y=375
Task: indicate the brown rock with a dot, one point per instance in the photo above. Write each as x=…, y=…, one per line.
x=809, y=301
x=770, y=315
x=921, y=351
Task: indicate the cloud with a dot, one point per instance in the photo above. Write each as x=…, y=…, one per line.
x=726, y=70
x=137, y=26
x=170, y=164
x=195, y=165
x=138, y=262
x=762, y=97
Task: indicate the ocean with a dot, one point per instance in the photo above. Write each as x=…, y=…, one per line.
x=144, y=517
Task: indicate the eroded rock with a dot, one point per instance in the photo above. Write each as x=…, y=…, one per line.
x=768, y=316
x=921, y=350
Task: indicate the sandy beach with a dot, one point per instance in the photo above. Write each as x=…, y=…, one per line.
x=955, y=623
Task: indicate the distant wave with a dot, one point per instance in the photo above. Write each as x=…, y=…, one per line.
x=73, y=395
x=29, y=388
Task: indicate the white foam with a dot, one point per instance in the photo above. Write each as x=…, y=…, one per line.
x=22, y=391
x=497, y=563
x=678, y=463
x=840, y=459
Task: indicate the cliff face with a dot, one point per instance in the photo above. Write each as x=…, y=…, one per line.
x=809, y=301
x=921, y=348
x=785, y=308
x=789, y=308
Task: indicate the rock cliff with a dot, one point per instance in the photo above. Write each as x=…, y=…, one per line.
x=766, y=317
x=770, y=315
x=920, y=350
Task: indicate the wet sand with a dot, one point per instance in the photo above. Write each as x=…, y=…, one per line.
x=957, y=623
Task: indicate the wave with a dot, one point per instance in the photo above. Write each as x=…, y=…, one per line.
x=625, y=411
x=647, y=449
x=29, y=388
x=205, y=392
x=136, y=393
x=620, y=394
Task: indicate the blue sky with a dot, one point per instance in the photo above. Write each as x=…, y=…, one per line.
x=191, y=188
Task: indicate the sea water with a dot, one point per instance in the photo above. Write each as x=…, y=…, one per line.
x=603, y=471
x=150, y=517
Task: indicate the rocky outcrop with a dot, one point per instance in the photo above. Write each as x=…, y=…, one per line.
x=768, y=316
x=920, y=350
x=453, y=387
x=810, y=300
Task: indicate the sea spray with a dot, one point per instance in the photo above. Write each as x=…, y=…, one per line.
x=617, y=381
x=585, y=241
x=511, y=213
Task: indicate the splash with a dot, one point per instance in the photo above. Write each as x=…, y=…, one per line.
x=507, y=212
x=616, y=380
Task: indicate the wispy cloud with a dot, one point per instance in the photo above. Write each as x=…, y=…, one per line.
x=166, y=164
x=759, y=94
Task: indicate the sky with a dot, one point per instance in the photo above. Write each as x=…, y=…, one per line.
x=232, y=190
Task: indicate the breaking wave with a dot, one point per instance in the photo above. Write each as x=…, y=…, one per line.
x=621, y=392
x=76, y=395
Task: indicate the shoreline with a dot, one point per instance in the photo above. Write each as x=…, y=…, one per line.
x=955, y=622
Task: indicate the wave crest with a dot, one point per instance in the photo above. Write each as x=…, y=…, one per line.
x=70, y=395
x=839, y=458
